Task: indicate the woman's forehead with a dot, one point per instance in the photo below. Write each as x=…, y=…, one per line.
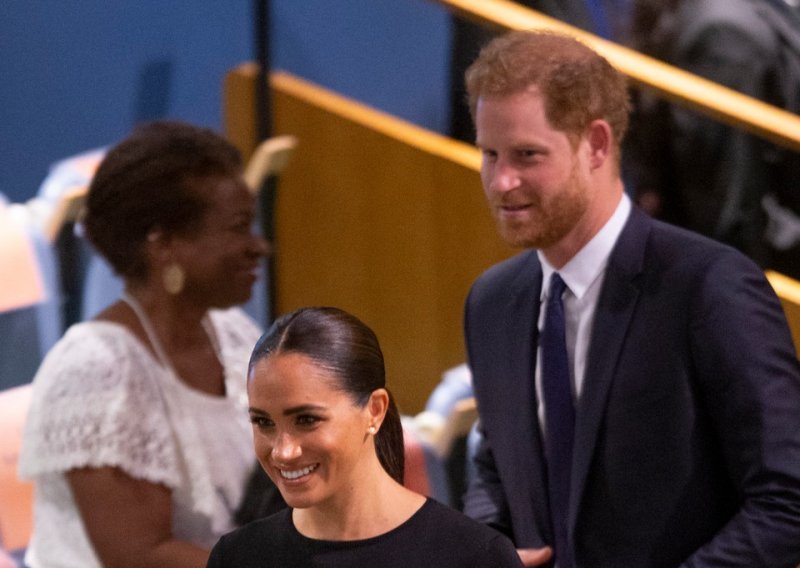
x=294, y=374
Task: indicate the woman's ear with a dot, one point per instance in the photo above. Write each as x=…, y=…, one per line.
x=377, y=406
x=163, y=248
x=157, y=246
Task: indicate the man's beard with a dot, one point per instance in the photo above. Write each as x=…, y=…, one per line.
x=555, y=218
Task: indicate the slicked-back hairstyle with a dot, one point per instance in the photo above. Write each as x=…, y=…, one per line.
x=348, y=349
x=577, y=85
x=147, y=182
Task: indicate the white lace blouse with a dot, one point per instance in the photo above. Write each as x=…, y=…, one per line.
x=100, y=398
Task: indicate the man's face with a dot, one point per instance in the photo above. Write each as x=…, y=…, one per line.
x=534, y=179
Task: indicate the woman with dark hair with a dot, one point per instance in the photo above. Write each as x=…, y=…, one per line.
x=137, y=438
x=327, y=432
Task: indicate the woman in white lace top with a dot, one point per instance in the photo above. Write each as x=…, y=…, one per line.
x=137, y=437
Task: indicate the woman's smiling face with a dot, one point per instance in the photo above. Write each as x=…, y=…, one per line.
x=310, y=437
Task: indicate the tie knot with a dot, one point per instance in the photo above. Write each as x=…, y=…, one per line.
x=557, y=286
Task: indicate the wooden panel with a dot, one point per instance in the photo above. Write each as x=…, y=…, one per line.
x=376, y=216
x=239, y=108
x=385, y=220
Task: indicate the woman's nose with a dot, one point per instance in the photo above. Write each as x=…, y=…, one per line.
x=285, y=448
x=260, y=246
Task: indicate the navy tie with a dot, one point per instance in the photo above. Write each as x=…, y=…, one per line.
x=559, y=417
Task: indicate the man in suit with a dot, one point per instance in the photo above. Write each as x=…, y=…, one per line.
x=677, y=442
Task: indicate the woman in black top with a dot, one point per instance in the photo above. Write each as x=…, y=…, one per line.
x=327, y=432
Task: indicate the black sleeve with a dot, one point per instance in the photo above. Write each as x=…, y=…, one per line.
x=215, y=560
x=502, y=554
x=749, y=374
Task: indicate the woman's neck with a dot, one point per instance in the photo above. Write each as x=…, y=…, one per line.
x=176, y=335
x=376, y=506
x=177, y=322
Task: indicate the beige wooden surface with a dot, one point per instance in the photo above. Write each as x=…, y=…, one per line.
x=379, y=217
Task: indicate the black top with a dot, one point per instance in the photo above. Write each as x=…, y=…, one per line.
x=435, y=535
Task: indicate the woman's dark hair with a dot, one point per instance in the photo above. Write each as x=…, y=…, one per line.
x=148, y=181
x=343, y=345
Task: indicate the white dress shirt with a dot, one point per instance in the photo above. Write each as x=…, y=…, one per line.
x=583, y=275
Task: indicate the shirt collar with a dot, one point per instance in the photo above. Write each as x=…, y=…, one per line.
x=590, y=262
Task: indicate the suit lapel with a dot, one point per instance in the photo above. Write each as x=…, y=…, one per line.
x=615, y=308
x=522, y=337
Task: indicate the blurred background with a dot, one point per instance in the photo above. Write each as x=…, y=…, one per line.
x=79, y=75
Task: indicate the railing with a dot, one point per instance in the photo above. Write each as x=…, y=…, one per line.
x=676, y=85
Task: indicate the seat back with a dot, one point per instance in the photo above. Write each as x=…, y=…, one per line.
x=16, y=497
x=30, y=299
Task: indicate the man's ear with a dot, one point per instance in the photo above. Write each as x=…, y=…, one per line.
x=600, y=140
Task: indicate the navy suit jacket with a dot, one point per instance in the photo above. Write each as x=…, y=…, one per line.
x=687, y=448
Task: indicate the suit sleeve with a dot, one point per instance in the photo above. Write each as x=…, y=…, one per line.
x=749, y=380
x=485, y=499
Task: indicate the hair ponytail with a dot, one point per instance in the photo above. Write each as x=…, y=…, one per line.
x=389, y=443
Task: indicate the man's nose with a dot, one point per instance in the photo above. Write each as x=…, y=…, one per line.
x=504, y=177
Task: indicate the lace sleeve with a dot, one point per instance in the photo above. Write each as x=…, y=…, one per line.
x=96, y=402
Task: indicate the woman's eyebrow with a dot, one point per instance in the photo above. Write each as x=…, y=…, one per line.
x=302, y=408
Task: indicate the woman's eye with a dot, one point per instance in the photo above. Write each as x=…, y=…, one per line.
x=261, y=422
x=307, y=420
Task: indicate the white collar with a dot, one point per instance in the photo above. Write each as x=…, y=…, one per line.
x=589, y=262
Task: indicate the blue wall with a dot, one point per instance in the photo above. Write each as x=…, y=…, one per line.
x=78, y=75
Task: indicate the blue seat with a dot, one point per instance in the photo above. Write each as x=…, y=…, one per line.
x=28, y=333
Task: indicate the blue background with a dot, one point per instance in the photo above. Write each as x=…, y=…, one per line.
x=78, y=75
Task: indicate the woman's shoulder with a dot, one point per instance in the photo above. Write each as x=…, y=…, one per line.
x=89, y=348
x=94, y=402
x=459, y=540
x=451, y=519
x=263, y=539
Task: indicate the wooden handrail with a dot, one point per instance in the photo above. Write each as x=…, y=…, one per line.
x=788, y=291
x=676, y=85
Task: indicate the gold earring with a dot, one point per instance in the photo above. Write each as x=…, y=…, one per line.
x=173, y=278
